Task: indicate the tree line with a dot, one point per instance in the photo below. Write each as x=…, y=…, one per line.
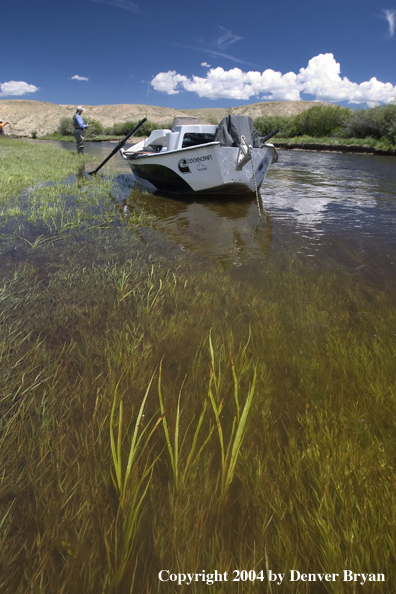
x=66, y=128
x=334, y=121
x=318, y=121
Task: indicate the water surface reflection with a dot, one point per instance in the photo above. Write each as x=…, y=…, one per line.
x=103, y=149
x=229, y=232
x=317, y=205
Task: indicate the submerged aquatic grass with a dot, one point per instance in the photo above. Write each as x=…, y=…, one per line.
x=229, y=454
x=158, y=414
x=287, y=493
x=132, y=482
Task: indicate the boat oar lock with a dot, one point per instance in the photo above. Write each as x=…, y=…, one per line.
x=270, y=135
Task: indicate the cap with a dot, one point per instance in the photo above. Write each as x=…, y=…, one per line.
x=80, y=108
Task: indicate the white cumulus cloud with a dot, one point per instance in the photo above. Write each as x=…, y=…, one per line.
x=17, y=88
x=77, y=77
x=321, y=78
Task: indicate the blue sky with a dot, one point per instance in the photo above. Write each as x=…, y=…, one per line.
x=201, y=53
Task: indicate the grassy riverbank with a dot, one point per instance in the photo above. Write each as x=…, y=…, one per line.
x=94, y=138
x=344, y=145
x=383, y=144
x=45, y=189
x=158, y=413
x=321, y=142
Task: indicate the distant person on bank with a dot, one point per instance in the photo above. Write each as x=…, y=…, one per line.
x=2, y=126
x=79, y=128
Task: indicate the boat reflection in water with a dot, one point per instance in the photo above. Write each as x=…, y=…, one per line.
x=319, y=207
x=227, y=231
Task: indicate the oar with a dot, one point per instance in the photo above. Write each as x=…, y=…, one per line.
x=270, y=135
x=119, y=145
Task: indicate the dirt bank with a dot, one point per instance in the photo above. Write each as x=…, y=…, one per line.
x=26, y=116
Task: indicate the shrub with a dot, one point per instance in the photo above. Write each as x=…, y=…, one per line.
x=321, y=120
x=95, y=128
x=377, y=122
x=266, y=124
x=65, y=127
x=123, y=128
x=317, y=121
x=148, y=127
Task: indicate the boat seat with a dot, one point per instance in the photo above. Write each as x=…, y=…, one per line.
x=189, y=132
x=156, y=138
x=197, y=138
x=184, y=121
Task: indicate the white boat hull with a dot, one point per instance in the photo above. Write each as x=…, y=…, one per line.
x=204, y=169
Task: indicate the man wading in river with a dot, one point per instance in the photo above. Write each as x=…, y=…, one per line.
x=79, y=128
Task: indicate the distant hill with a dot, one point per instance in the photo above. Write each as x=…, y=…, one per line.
x=25, y=116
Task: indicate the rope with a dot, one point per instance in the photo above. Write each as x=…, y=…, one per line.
x=259, y=208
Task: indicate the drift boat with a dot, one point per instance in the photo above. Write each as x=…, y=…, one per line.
x=230, y=158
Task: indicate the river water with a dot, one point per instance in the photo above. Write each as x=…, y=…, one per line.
x=318, y=205
x=303, y=294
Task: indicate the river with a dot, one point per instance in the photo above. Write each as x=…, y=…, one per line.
x=318, y=205
x=219, y=313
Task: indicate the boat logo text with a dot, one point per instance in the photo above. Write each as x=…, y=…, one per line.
x=183, y=164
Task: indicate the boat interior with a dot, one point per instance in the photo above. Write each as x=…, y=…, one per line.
x=186, y=132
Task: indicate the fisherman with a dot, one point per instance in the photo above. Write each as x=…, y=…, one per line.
x=2, y=126
x=79, y=128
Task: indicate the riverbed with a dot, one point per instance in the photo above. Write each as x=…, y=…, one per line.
x=245, y=350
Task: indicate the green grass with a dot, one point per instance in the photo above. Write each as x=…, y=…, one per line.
x=383, y=144
x=45, y=192
x=101, y=137
x=156, y=413
x=25, y=163
x=57, y=136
